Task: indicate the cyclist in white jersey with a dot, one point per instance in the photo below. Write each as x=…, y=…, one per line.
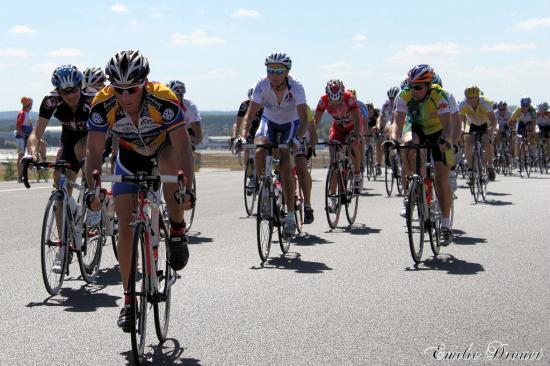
x=190, y=112
x=502, y=116
x=285, y=114
x=384, y=123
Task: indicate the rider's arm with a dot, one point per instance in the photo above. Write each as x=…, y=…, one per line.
x=236, y=127
x=247, y=120
x=457, y=127
x=37, y=134
x=183, y=152
x=493, y=120
x=313, y=133
x=397, y=125
x=94, y=153
x=356, y=121
x=317, y=117
x=447, y=132
x=381, y=121
x=197, y=131
x=302, y=114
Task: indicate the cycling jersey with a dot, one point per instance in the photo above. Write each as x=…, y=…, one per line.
x=24, y=123
x=341, y=112
x=425, y=113
x=387, y=110
x=502, y=119
x=374, y=118
x=364, y=110
x=190, y=111
x=529, y=116
x=255, y=122
x=543, y=120
x=53, y=105
x=480, y=115
x=286, y=111
x=160, y=113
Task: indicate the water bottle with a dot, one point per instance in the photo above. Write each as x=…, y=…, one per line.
x=428, y=188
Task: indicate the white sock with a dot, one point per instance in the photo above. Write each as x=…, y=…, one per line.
x=446, y=222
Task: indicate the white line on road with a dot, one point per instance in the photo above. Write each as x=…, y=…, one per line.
x=22, y=189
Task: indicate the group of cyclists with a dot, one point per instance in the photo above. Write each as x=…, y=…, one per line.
x=147, y=125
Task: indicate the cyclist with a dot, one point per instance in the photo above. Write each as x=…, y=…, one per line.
x=190, y=112
x=23, y=129
x=346, y=125
x=456, y=126
x=543, y=122
x=502, y=116
x=363, y=118
x=285, y=113
x=235, y=131
x=371, y=129
x=94, y=78
x=147, y=118
x=525, y=116
x=476, y=113
x=422, y=115
x=384, y=123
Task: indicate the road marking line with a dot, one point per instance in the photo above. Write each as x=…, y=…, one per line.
x=22, y=189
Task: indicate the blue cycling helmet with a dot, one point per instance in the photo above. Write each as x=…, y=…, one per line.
x=437, y=80
x=404, y=84
x=525, y=101
x=420, y=74
x=66, y=76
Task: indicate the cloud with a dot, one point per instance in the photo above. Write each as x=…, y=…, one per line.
x=359, y=38
x=156, y=12
x=507, y=47
x=7, y=65
x=214, y=74
x=21, y=29
x=45, y=68
x=358, y=45
x=198, y=37
x=342, y=69
x=423, y=53
x=118, y=8
x=65, y=52
x=245, y=13
x=14, y=52
x=133, y=23
x=530, y=24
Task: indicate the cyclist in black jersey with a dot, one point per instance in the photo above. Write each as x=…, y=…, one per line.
x=243, y=108
x=70, y=104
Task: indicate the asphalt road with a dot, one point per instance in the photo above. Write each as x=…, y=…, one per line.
x=347, y=297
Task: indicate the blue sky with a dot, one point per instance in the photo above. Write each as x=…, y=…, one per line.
x=217, y=47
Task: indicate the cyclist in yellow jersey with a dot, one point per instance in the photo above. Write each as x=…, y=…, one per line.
x=476, y=114
x=422, y=114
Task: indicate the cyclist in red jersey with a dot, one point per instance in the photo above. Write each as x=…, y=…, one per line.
x=342, y=106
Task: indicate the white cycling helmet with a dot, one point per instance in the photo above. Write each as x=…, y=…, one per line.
x=93, y=76
x=279, y=58
x=127, y=67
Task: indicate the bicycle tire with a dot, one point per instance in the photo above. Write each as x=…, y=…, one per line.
x=249, y=200
x=114, y=237
x=434, y=226
x=49, y=248
x=189, y=215
x=138, y=297
x=399, y=183
x=368, y=164
x=415, y=221
x=165, y=275
x=89, y=258
x=352, y=199
x=333, y=221
x=284, y=240
x=299, y=209
x=388, y=179
x=483, y=176
x=264, y=222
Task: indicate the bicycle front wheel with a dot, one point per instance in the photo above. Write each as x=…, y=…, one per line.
x=250, y=189
x=434, y=225
x=137, y=289
x=415, y=220
x=189, y=215
x=89, y=258
x=388, y=178
x=482, y=176
x=352, y=199
x=333, y=201
x=53, y=246
x=264, y=221
x=166, y=277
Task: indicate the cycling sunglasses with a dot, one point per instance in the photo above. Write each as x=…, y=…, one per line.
x=418, y=87
x=128, y=89
x=275, y=71
x=68, y=91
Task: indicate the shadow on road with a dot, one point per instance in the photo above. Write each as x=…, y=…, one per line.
x=86, y=299
x=498, y=194
x=167, y=353
x=460, y=239
x=309, y=239
x=448, y=263
x=195, y=238
x=498, y=203
x=109, y=276
x=355, y=229
x=294, y=262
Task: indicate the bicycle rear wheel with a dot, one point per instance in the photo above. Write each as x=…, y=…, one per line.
x=333, y=202
x=264, y=221
x=369, y=164
x=284, y=240
x=299, y=209
x=396, y=167
x=53, y=244
x=415, y=220
x=249, y=195
x=189, y=215
x=166, y=277
x=352, y=199
x=89, y=258
x=137, y=289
